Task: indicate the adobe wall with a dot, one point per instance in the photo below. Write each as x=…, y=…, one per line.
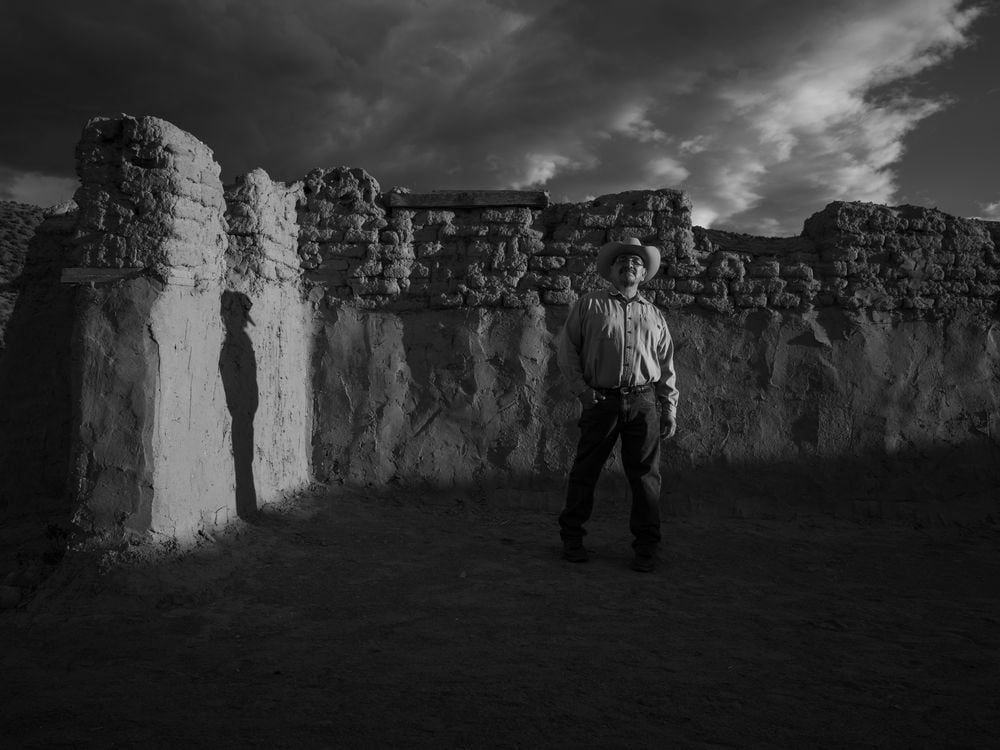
x=232, y=343
x=853, y=368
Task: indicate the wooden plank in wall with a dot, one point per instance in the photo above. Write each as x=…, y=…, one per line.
x=470, y=199
x=98, y=275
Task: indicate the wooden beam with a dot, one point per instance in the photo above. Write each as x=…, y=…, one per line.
x=470, y=199
x=98, y=275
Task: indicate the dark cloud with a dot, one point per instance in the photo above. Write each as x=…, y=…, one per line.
x=761, y=110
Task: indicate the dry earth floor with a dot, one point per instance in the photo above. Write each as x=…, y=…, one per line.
x=338, y=620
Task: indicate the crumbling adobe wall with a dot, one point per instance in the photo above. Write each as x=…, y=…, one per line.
x=854, y=368
x=232, y=343
x=266, y=351
x=172, y=370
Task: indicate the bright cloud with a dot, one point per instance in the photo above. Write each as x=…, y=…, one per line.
x=990, y=211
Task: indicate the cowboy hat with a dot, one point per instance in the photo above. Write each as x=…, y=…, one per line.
x=631, y=246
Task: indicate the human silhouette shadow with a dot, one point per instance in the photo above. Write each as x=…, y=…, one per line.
x=238, y=367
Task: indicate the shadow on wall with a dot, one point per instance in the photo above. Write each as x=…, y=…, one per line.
x=35, y=382
x=238, y=367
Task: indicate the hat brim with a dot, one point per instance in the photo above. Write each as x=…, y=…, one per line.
x=607, y=254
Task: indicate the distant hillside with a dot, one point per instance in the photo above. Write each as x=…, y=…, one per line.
x=17, y=225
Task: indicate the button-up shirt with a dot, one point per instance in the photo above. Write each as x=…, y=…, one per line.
x=609, y=342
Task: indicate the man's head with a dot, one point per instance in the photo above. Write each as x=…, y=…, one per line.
x=620, y=261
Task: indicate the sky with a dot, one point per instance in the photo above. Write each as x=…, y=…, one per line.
x=763, y=111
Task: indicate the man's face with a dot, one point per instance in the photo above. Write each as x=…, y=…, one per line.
x=628, y=269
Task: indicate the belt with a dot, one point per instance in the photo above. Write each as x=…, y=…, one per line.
x=626, y=390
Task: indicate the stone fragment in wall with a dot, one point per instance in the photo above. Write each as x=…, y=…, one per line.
x=784, y=300
x=545, y=262
x=399, y=269
x=556, y=248
x=726, y=265
x=380, y=286
x=645, y=235
x=802, y=286
x=916, y=303
x=513, y=261
x=831, y=268
x=521, y=215
x=366, y=268
x=575, y=236
x=446, y=300
x=978, y=289
x=685, y=269
x=401, y=223
x=428, y=217
x=690, y=286
x=599, y=218
x=636, y=218
x=987, y=274
x=558, y=297
x=663, y=283
x=716, y=304
x=763, y=268
x=263, y=231
x=673, y=300
x=578, y=265
x=750, y=300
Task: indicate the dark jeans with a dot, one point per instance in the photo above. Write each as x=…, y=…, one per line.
x=635, y=420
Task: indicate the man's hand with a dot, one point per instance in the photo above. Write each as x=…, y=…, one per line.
x=590, y=397
x=668, y=425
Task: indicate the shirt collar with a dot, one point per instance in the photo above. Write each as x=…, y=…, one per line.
x=618, y=295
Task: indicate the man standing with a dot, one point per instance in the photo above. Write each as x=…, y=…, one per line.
x=617, y=356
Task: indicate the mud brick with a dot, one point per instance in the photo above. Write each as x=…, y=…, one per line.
x=977, y=289
x=387, y=287
x=673, y=299
x=831, y=268
x=785, y=300
x=685, y=270
x=796, y=271
x=718, y=304
x=763, y=269
x=558, y=297
x=545, y=262
x=750, y=300
x=918, y=303
x=636, y=219
x=624, y=233
x=661, y=283
x=689, y=286
x=400, y=269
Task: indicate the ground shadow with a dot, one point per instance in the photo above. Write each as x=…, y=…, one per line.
x=238, y=367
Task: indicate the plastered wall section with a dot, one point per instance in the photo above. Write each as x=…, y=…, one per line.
x=852, y=368
x=149, y=454
x=264, y=271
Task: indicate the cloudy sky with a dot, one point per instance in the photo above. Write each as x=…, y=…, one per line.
x=763, y=111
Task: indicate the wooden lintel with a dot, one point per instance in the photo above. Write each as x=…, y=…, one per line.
x=98, y=275
x=470, y=199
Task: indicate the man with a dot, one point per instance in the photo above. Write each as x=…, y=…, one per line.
x=617, y=356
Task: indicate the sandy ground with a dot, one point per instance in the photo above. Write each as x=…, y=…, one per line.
x=343, y=621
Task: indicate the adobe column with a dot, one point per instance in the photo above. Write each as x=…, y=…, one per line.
x=150, y=449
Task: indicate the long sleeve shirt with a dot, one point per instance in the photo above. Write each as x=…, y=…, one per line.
x=610, y=342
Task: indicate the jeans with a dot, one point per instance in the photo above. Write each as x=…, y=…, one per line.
x=634, y=419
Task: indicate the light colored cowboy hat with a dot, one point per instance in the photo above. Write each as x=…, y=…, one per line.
x=607, y=254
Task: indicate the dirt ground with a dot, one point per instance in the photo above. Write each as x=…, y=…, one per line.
x=339, y=620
